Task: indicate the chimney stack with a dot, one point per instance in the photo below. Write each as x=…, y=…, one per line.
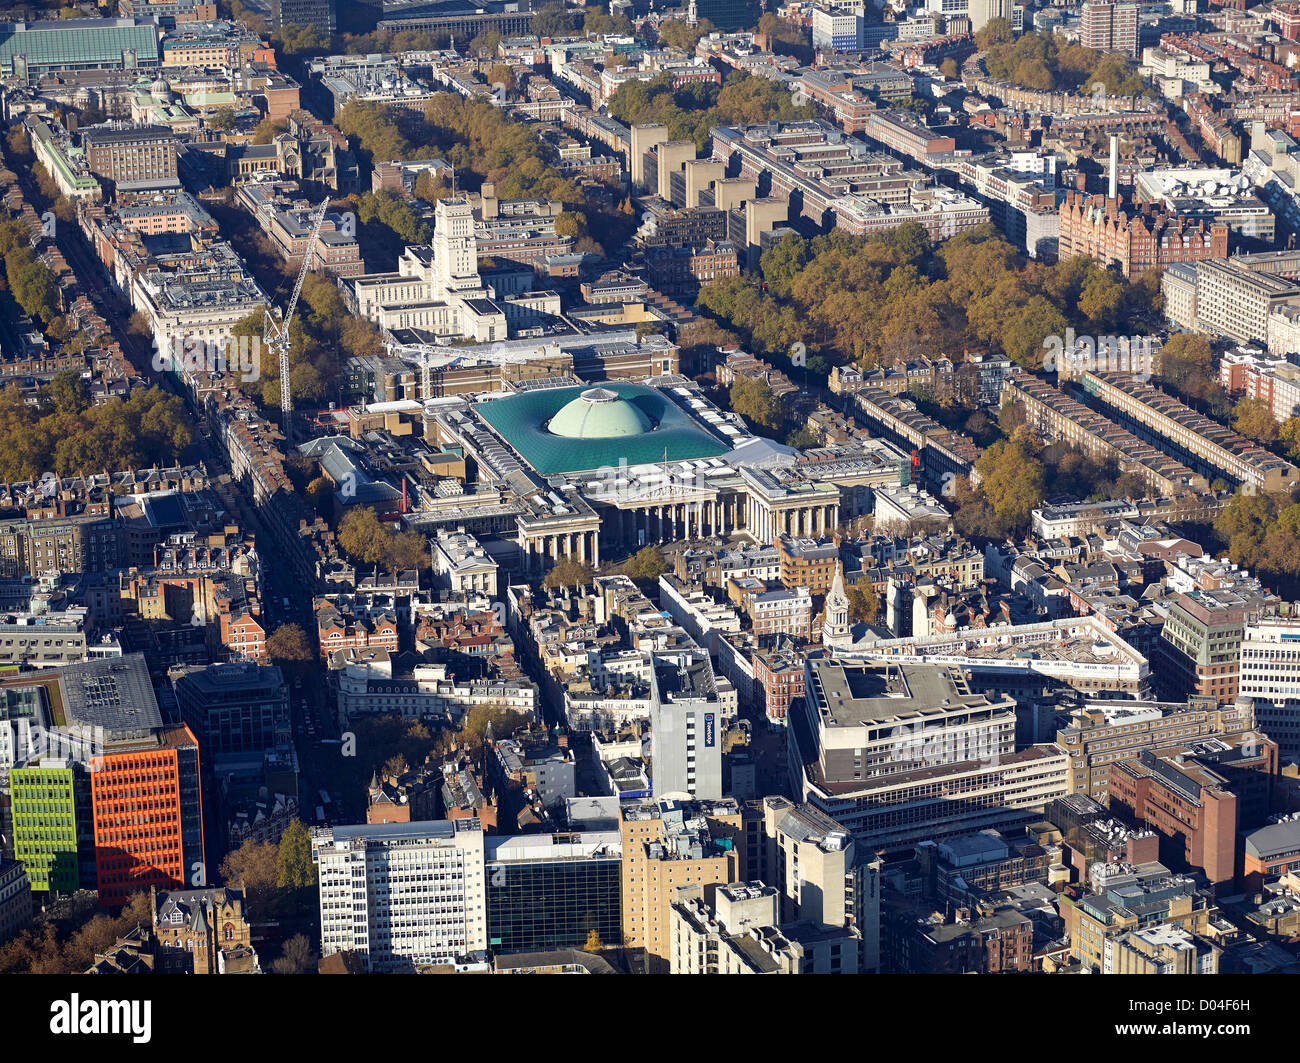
x=1114, y=166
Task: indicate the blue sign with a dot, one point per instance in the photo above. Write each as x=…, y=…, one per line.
x=708, y=730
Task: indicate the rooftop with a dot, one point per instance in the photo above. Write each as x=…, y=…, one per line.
x=850, y=693
x=523, y=421
x=115, y=694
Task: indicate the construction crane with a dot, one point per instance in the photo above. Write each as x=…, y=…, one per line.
x=276, y=328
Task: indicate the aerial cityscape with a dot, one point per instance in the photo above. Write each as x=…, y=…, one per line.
x=717, y=487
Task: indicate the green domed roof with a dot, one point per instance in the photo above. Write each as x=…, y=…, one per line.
x=528, y=421
x=599, y=413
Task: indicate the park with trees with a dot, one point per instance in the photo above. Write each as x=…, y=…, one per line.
x=1042, y=60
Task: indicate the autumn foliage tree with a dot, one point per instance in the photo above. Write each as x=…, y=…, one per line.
x=864, y=602
x=365, y=539
x=289, y=643
x=1262, y=533
x=1254, y=418
x=70, y=947
x=569, y=572
x=147, y=428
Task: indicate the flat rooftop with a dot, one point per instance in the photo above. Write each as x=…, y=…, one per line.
x=857, y=692
x=115, y=694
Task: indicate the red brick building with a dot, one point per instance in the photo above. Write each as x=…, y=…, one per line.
x=1197, y=797
x=339, y=632
x=778, y=679
x=1136, y=241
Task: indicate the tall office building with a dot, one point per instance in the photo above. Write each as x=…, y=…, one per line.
x=402, y=895
x=903, y=753
x=685, y=730
x=146, y=793
x=981, y=11
x=552, y=891
x=52, y=825
x=1109, y=27
x=814, y=865
x=1269, y=680
x=837, y=29
x=1199, y=649
x=137, y=821
x=728, y=15
x=317, y=13
x=234, y=708
x=147, y=804
x=667, y=844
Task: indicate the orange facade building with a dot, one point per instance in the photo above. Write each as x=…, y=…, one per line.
x=148, y=817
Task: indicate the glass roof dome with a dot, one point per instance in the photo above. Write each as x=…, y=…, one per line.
x=599, y=413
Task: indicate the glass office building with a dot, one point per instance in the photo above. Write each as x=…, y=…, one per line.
x=551, y=891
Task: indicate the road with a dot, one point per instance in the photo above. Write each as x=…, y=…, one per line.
x=312, y=712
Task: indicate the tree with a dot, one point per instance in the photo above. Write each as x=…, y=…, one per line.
x=297, y=957
x=485, y=716
x=289, y=643
x=682, y=35
x=407, y=550
x=948, y=68
x=569, y=572
x=293, y=866
x=1011, y=478
x=864, y=602
x=101, y=932
x=1289, y=433
x=1187, y=364
x=223, y=120
x=1254, y=418
x=361, y=535
x=753, y=399
x=267, y=130
x=555, y=20
x=34, y=288
x=67, y=392
x=253, y=868
x=1101, y=299
x=485, y=43
x=502, y=74
x=995, y=31
x=802, y=438
x=295, y=40
x=430, y=188
x=365, y=539
x=594, y=944
x=18, y=143
x=139, y=325
x=646, y=565
x=319, y=494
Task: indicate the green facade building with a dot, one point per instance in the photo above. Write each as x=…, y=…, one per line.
x=47, y=821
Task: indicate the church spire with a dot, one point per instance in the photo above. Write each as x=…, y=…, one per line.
x=836, y=630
